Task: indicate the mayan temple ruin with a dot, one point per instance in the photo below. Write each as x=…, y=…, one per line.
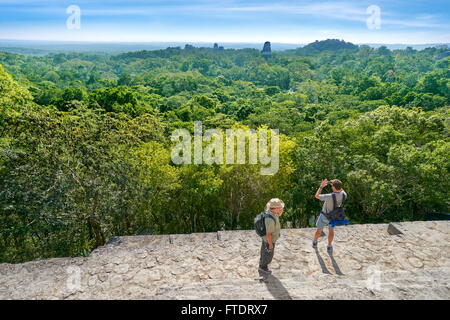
x=408, y=260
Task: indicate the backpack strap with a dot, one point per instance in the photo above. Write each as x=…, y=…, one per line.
x=344, y=197
x=334, y=201
x=268, y=215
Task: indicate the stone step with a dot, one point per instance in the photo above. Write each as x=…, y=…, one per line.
x=223, y=265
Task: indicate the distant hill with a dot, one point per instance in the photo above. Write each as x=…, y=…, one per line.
x=330, y=44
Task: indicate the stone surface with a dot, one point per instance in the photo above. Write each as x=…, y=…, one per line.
x=368, y=262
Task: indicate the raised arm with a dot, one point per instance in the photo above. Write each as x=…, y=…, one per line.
x=322, y=185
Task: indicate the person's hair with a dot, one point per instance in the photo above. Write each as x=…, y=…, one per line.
x=275, y=203
x=337, y=184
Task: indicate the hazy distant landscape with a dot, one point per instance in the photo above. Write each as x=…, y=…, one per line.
x=34, y=47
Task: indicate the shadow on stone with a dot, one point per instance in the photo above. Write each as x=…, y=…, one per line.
x=276, y=288
x=114, y=240
x=393, y=230
x=321, y=262
x=335, y=265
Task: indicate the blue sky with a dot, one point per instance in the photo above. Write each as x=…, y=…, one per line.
x=401, y=21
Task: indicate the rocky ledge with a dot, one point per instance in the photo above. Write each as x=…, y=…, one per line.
x=408, y=260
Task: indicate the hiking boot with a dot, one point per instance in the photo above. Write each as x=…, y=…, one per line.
x=264, y=277
x=267, y=270
x=329, y=248
x=314, y=244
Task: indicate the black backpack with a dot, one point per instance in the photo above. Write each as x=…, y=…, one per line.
x=337, y=213
x=260, y=225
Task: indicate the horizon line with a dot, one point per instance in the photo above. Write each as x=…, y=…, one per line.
x=218, y=42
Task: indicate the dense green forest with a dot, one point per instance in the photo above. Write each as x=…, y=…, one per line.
x=85, y=140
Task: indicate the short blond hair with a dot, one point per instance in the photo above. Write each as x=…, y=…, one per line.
x=274, y=204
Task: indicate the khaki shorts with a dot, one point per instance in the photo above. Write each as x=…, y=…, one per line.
x=322, y=222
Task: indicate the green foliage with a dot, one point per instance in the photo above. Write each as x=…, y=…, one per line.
x=66, y=177
x=12, y=95
x=85, y=140
x=389, y=160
